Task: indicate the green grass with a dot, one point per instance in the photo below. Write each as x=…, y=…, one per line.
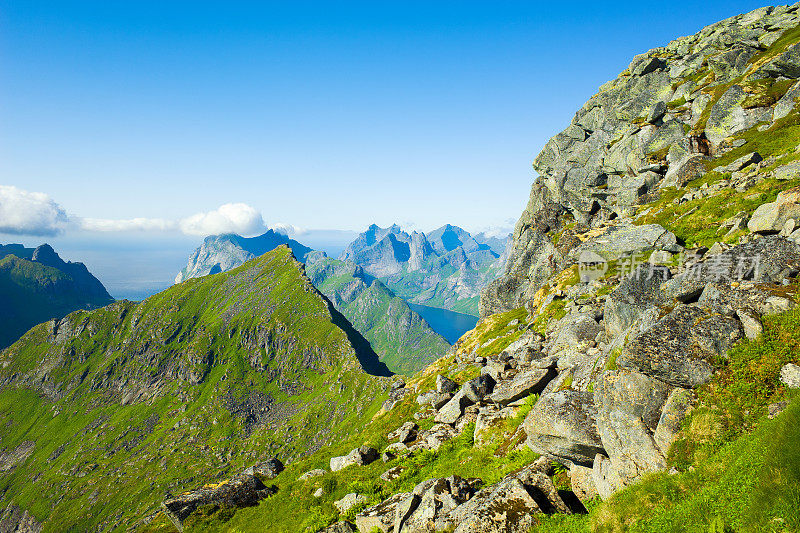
x=205, y=344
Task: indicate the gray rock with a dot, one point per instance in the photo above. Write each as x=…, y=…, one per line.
x=319, y=493
x=239, y=491
x=684, y=170
x=787, y=102
x=678, y=350
x=380, y=516
x=392, y=474
x=562, y=424
x=430, y=502
x=786, y=65
x=445, y=384
x=359, y=456
x=340, y=527
x=625, y=238
x=527, y=382
x=771, y=217
x=673, y=413
x=349, y=501
x=475, y=390
x=728, y=117
x=763, y=260
x=13, y=519
x=268, y=469
x=312, y=474
x=790, y=375
x=634, y=295
x=510, y=505
x=629, y=408
x=606, y=480
x=743, y=162
x=751, y=323
x=574, y=330
x=405, y=433
x=582, y=483
x=434, y=399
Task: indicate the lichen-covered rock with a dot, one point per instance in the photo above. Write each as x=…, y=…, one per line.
x=340, y=527
x=359, y=456
x=634, y=295
x=380, y=516
x=349, y=501
x=312, y=474
x=405, y=433
x=240, y=491
x=562, y=424
x=619, y=239
x=680, y=348
x=268, y=469
x=790, y=375
x=768, y=259
x=510, y=505
x=629, y=407
x=771, y=217
x=527, y=382
x=582, y=483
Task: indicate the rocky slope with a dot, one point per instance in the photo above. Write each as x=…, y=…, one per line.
x=220, y=253
x=643, y=342
x=36, y=286
x=400, y=337
x=446, y=268
x=104, y=412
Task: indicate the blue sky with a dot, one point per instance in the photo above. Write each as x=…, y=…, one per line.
x=316, y=114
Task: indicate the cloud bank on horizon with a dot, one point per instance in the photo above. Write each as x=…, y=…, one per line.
x=37, y=214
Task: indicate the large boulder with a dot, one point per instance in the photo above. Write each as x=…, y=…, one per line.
x=359, y=456
x=629, y=410
x=634, y=295
x=473, y=391
x=764, y=260
x=380, y=516
x=729, y=117
x=430, y=502
x=527, y=382
x=241, y=491
x=790, y=375
x=773, y=216
x=509, y=506
x=680, y=348
x=620, y=239
x=562, y=424
x=268, y=469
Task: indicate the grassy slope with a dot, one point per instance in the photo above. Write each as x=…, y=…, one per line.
x=116, y=461
x=402, y=339
x=32, y=293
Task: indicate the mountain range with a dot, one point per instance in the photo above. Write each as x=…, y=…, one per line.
x=36, y=285
x=446, y=268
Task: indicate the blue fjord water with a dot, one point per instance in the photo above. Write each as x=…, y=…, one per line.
x=448, y=324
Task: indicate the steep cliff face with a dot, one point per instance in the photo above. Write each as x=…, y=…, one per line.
x=106, y=411
x=653, y=128
x=36, y=285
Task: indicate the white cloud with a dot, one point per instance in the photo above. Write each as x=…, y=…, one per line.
x=30, y=213
x=34, y=213
x=229, y=218
x=290, y=230
x=131, y=224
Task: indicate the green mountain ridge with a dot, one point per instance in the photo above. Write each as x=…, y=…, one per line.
x=400, y=337
x=105, y=411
